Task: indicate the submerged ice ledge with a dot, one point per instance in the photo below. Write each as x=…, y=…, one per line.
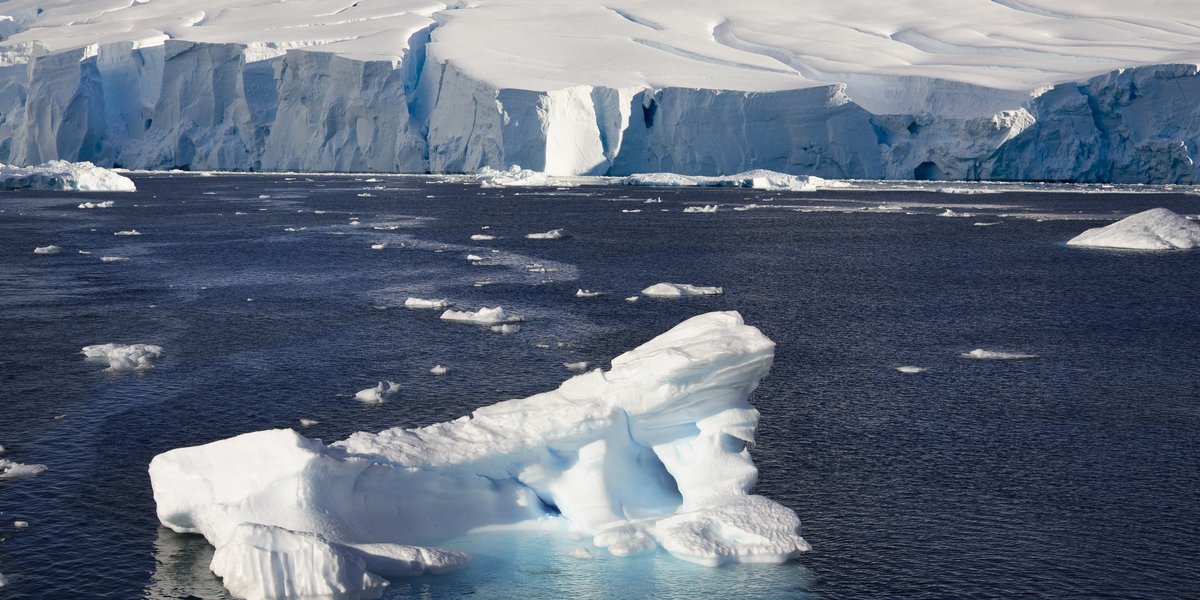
x=651, y=453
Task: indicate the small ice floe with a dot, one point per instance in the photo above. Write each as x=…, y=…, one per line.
x=675, y=290
x=482, y=237
x=653, y=201
x=294, y=229
x=981, y=354
x=631, y=210
x=105, y=204
x=474, y=259
x=264, y=196
x=366, y=195
x=553, y=234
x=10, y=469
x=581, y=554
x=319, y=212
x=633, y=298
x=506, y=328
x=576, y=366
x=912, y=370
x=309, y=422
x=20, y=524
x=582, y=293
x=84, y=252
x=424, y=303
x=707, y=208
x=483, y=316
x=51, y=249
x=987, y=224
x=113, y=259
x=379, y=393
x=482, y=283
x=439, y=370
x=951, y=213
x=3, y=581
x=379, y=246
x=123, y=358
x=1154, y=229
x=128, y=232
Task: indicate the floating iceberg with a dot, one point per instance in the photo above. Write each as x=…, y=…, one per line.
x=576, y=366
x=51, y=249
x=632, y=298
x=1154, y=229
x=652, y=452
x=981, y=354
x=128, y=232
x=105, y=204
x=379, y=393
x=64, y=176
x=10, y=469
x=423, y=303
x=707, y=208
x=482, y=237
x=474, y=258
x=912, y=370
x=513, y=176
x=553, y=234
x=675, y=290
x=113, y=259
x=308, y=422
x=123, y=358
x=439, y=370
x=483, y=316
x=379, y=246
x=582, y=293
x=759, y=179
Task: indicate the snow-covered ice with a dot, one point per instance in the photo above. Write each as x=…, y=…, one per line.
x=483, y=316
x=379, y=393
x=379, y=246
x=675, y=290
x=652, y=452
x=1154, y=229
x=582, y=293
x=707, y=208
x=759, y=179
x=64, y=176
x=576, y=366
x=10, y=469
x=51, y=249
x=439, y=370
x=553, y=234
x=105, y=204
x=911, y=369
x=113, y=259
x=123, y=358
x=513, y=176
x=980, y=353
x=128, y=232
x=482, y=237
x=426, y=303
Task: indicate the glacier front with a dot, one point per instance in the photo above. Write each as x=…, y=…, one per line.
x=652, y=453
x=973, y=89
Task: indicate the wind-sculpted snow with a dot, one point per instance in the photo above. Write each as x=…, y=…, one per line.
x=651, y=453
x=1036, y=89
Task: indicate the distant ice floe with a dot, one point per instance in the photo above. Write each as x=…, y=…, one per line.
x=912, y=370
x=64, y=176
x=105, y=204
x=987, y=224
x=981, y=354
x=474, y=259
x=632, y=298
x=424, y=303
x=10, y=469
x=309, y=422
x=513, y=176
x=482, y=237
x=379, y=246
x=3, y=581
x=651, y=453
x=759, y=179
x=113, y=259
x=576, y=366
x=582, y=293
x=553, y=234
x=128, y=232
x=439, y=370
x=707, y=208
x=124, y=358
x=955, y=214
x=1154, y=229
x=51, y=249
x=483, y=316
x=379, y=393
x=675, y=290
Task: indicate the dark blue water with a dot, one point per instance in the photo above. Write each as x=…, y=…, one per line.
x=1073, y=475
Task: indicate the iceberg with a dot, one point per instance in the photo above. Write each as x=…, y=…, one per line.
x=513, y=176
x=482, y=237
x=981, y=354
x=582, y=293
x=553, y=234
x=758, y=179
x=10, y=469
x=652, y=453
x=676, y=290
x=483, y=316
x=51, y=249
x=1154, y=229
x=64, y=176
x=379, y=393
x=105, y=204
x=124, y=358
x=439, y=370
x=424, y=303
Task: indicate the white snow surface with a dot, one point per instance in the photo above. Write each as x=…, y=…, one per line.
x=1154, y=229
x=651, y=452
x=124, y=358
x=483, y=316
x=64, y=176
x=675, y=290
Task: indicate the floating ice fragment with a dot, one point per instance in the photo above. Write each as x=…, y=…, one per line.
x=582, y=293
x=553, y=234
x=482, y=237
x=950, y=213
x=128, y=232
x=379, y=393
x=113, y=259
x=980, y=353
x=20, y=524
x=632, y=298
x=675, y=290
x=514, y=176
x=308, y=422
x=707, y=208
x=379, y=246
x=576, y=366
x=439, y=370
x=760, y=179
x=988, y=224
x=105, y=204
x=123, y=358
x=423, y=303
x=483, y=316
x=474, y=258
x=631, y=210
x=3, y=581
x=10, y=469
x=506, y=328
x=51, y=249
x=912, y=370
x=1154, y=229
x=64, y=176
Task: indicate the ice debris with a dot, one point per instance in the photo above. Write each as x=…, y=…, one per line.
x=113, y=259
x=582, y=293
x=482, y=237
x=513, y=176
x=980, y=353
x=483, y=316
x=379, y=393
x=123, y=358
x=759, y=179
x=439, y=370
x=51, y=249
x=105, y=204
x=912, y=370
x=675, y=290
x=423, y=303
x=576, y=366
x=10, y=469
x=707, y=208
x=128, y=232
x=64, y=176
x=553, y=234
x=1154, y=229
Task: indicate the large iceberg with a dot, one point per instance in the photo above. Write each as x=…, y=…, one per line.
x=651, y=453
x=1154, y=229
x=1029, y=89
x=65, y=176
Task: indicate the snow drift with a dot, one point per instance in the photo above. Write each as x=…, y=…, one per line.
x=652, y=452
x=1154, y=229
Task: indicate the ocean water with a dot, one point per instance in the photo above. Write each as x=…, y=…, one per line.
x=1076, y=474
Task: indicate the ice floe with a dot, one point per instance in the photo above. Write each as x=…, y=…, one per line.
x=675, y=290
x=105, y=204
x=506, y=328
x=51, y=249
x=1154, y=229
x=113, y=259
x=553, y=234
x=707, y=208
x=576, y=366
x=11, y=469
x=980, y=353
x=128, y=232
x=912, y=370
x=954, y=214
x=651, y=453
x=759, y=179
x=483, y=316
x=482, y=237
x=513, y=176
x=64, y=176
x=379, y=246
x=379, y=393
x=439, y=370
x=632, y=298
x=123, y=358
x=424, y=303
x=309, y=422
x=582, y=293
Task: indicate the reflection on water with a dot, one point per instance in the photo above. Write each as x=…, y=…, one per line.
x=181, y=569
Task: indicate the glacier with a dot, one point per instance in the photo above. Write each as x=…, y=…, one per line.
x=652, y=453
x=976, y=89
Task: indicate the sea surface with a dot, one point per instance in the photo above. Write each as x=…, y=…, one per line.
x=1072, y=475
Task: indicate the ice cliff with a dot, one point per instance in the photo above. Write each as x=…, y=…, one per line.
x=651, y=453
x=976, y=89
